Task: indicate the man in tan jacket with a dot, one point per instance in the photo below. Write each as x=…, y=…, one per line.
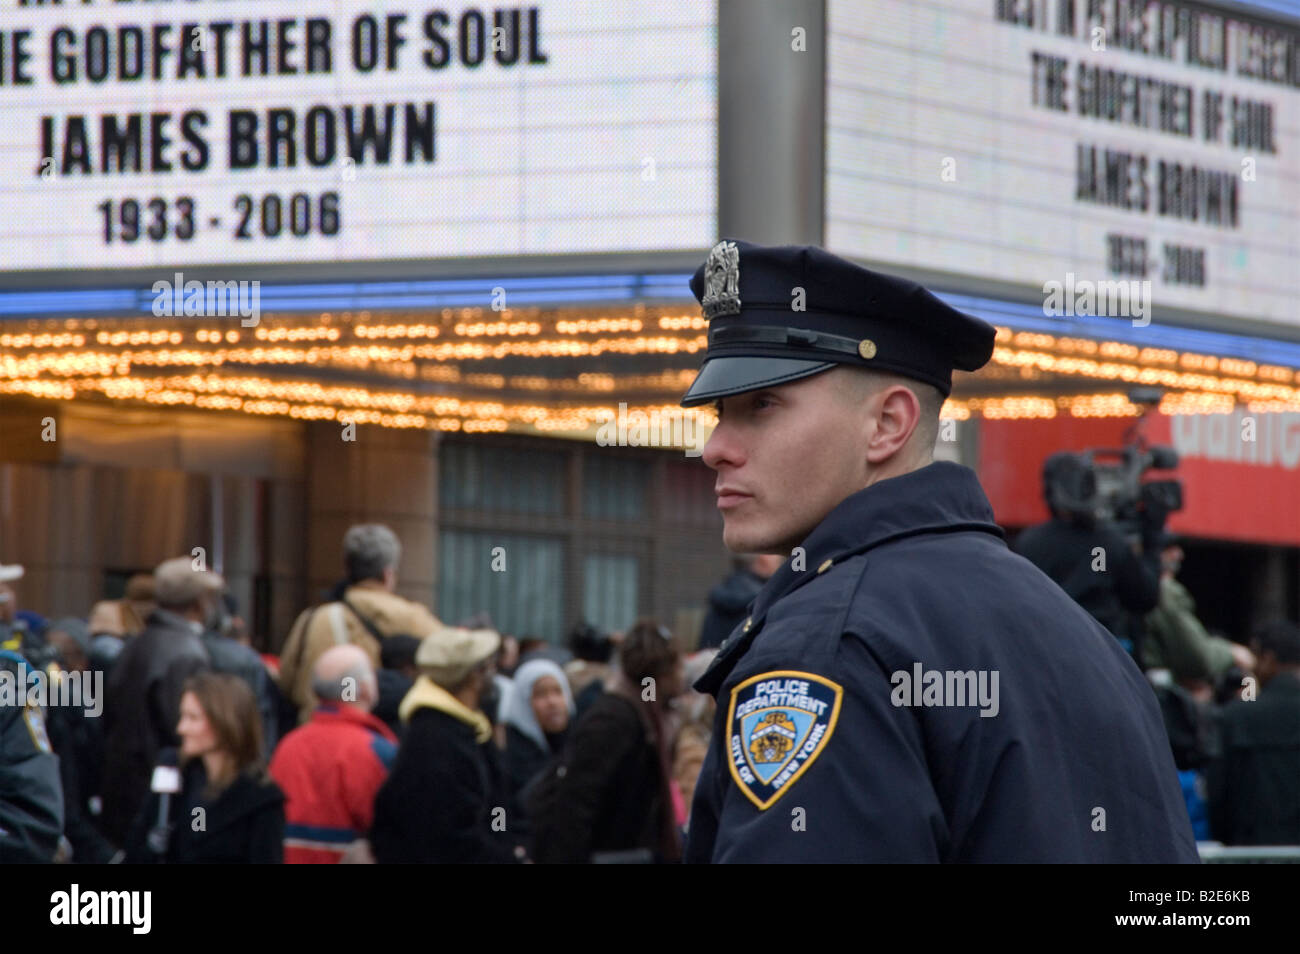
x=368, y=612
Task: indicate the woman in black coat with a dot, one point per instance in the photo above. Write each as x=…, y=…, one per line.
x=223, y=808
x=611, y=793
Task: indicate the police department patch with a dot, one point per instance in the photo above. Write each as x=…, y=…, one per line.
x=36, y=728
x=778, y=723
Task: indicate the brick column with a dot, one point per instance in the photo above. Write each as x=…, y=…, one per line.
x=384, y=476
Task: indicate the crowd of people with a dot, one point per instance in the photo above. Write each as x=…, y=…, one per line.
x=379, y=733
x=382, y=734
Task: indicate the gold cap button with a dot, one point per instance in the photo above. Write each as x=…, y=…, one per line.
x=867, y=348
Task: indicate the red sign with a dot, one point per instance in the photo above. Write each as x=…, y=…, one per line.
x=1240, y=471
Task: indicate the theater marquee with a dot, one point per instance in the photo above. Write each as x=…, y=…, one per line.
x=1036, y=141
x=320, y=132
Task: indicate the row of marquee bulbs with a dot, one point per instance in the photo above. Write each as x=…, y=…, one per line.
x=119, y=333
x=311, y=401
x=1028, y=362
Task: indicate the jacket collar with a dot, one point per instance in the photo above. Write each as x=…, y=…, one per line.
x=941, y=497
x=329, y=712
x=248, y=793
x=163, y=617
x=427, y=694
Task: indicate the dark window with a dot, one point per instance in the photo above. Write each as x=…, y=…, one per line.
x=614, y=488
x=610, y=590
x=503, y=479
x=520, y=585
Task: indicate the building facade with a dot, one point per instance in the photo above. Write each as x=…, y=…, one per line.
x=470, y=319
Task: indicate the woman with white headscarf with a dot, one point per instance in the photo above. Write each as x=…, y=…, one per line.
x=536, y=713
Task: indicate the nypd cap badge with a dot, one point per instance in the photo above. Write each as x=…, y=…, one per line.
x=779, y=722
x=722, y=281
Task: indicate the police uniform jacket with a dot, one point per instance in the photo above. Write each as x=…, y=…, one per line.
x=31, y=797
x=833, y=742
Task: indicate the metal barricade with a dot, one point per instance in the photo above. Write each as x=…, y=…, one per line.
x=1213, y=853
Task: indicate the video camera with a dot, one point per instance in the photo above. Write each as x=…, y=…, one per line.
x=1105, y=484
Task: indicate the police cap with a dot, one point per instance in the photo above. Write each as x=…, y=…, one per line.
x=781, y=313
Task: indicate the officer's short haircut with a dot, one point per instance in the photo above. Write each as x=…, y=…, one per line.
x=863, y=381
x=1282, y=639
x=368, y=550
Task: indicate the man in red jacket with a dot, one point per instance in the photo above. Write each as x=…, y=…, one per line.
x=331, y=768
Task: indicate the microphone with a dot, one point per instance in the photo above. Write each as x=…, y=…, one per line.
x=166, y=782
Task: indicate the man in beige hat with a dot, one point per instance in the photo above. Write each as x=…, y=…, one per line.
x=367, y=612
x=444, y=801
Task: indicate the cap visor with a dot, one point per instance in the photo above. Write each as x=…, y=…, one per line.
x=486, y=643
x=723, y=377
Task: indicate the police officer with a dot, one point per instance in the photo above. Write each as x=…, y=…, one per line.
x=905, y=688
x=31, y=796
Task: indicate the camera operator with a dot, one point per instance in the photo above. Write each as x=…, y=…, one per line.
x=1176, y=640
x=1090, y=557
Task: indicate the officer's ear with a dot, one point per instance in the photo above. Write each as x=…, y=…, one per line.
x=897, y=411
